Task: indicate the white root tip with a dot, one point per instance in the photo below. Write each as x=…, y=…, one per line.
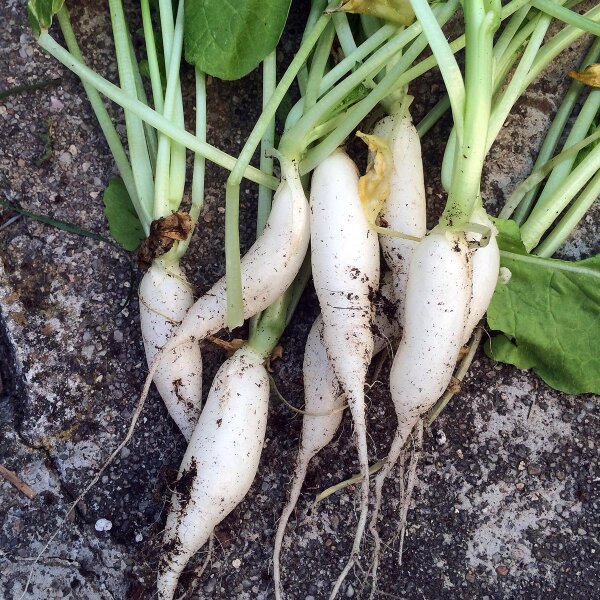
x=361, y=443
x=296, y=487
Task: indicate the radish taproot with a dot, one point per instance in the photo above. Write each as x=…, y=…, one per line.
x=345, y=265
x=324, y=402
x=165, y=296
x=220, y=462
x=436, y=311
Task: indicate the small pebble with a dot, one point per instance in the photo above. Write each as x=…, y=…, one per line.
x=502, y=570
x=309, y=598
x=103, y=525
x=350, y=591
x=139, y=537
x=236, y=563
x=534, y=469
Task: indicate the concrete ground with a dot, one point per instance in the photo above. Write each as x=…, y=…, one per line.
x=506, y=501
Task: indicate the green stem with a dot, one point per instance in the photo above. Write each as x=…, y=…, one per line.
x=546, y=215
x=138, y=149
x=559, y=265
x=567, y=16
x=178, y=157
x=316, y=9
x=235, y=312
x=177, y=162
x=445, y=58
x=151, y=140
x=503, y=106
x=572, y=217
x=108, y=129
x=481, y=22
x=155, y=78
x=344, y=33
x=267, y=142
x=541, y=172
x=270, y=327
x=508, y=33
x=580, y=129
x=265, y=195
x=276, y=318
x=162, y=205
x=555, y=132
x=433, y=116
x=199, y=169
x=155, y=119
x=318, y=65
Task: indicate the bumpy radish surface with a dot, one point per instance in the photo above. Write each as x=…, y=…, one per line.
x=345, y=265
x=486, y=266
x=323, y=396
x=220, y=462
x=165, y=296
x=436, y=310
x=405, y=208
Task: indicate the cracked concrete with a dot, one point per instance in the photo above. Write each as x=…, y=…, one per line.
x=506, y=504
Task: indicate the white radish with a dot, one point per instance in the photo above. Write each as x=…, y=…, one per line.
x=486, y=266
x=345, y=266
x=405, y=207
x=324, y=402
x=436, y=311
x=220, y=462
x=165, y=296
x=267, y=269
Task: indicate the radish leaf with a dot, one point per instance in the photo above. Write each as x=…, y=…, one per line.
x=40, y=13
x=547, y=316
x=123, y=222
x=229, y=39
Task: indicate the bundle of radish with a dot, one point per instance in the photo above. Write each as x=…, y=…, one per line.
x=441, y=282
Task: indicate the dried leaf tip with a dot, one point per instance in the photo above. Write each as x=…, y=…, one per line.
x=589, y=76
x=399, y=12
x=374, y=185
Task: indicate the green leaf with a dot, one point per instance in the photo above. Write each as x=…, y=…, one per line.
x=40, y=13
x=548, y=316
x=123, y=222
x=228, y=39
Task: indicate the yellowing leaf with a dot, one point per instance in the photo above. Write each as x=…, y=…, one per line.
x=396, y=11
x=590, y=75
x=374, y=185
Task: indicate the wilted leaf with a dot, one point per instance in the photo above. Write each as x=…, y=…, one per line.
x=396, y=11
x=590, y=75
x=164, y=232
x=374, y=185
